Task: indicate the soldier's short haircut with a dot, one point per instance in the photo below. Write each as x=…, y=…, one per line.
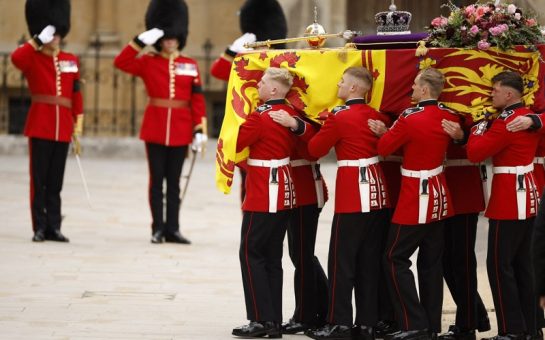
x=434, y=79
x=281, y=75
x=360, y=73
x=510, y=79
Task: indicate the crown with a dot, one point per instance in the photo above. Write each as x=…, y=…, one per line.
x=393, y=22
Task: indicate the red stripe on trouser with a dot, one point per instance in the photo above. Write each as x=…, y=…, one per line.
x=31, y=184
x=405, y=316
x=302, y=269
x=469, y=323
x=498, y=276
x=249, y=270
x=332, y=309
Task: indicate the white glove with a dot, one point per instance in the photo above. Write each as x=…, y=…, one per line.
x=199, y=142
x=238, y=45
x=47, y=34
x=151, y=36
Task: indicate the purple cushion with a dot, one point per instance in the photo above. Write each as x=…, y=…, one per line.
x=383, y=42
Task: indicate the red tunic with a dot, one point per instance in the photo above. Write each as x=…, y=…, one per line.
x=347, y=130
x=464, y=181
x=507, y=149
x=418, y=131
x=170, y=126
x=304, y=176
x=221, y=68
x=267, y=140
x=43, y=73
x=539, y=170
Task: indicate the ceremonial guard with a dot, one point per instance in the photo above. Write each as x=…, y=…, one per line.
x=269, y=198
x=511, y=210
x=175, y=115
x=56, y=113
x=361, y=203
x=467, y=183
x=258, y=19
x=424, y=202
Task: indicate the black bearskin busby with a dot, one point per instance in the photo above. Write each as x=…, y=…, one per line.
x=172, y=17
x=40, y=13
x=264, y=18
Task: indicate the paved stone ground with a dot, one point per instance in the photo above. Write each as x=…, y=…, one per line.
x=109, y=282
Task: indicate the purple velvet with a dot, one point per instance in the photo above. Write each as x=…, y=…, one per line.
x=383, y=42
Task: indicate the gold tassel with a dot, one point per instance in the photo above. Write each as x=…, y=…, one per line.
x=421, y=50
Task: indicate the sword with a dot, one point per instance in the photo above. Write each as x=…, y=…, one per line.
x=84, y=181
x=188, y=176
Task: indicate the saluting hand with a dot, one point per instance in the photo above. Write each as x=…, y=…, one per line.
x=47, y=34
x=151, y=36
x=283, y=118
x=453, y=129
x=520, y=123
x=377, y=127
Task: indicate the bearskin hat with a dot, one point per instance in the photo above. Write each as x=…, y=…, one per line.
x=264, y=18
x=40, y=13
x=171, y=16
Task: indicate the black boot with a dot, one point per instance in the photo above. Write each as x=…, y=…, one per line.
x=157, y=237
x=456, y=333
x=259, y=329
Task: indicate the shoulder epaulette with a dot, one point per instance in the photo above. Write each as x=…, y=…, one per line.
x=446, y=108
x=339, y=108
x=411, y=111
x=263, y=108
x=506, y=114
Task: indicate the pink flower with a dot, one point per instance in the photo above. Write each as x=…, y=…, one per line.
x=469, y=10
x=474, y=30
x=483, y=45
x=498, y=30
x=531, y=22
x=511, y=9
x=481, y=10
x=439, y=22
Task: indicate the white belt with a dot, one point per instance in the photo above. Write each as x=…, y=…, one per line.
x=364, y=176
x=539, y=160
x=459, y=162
x=398, y=159
x=424, y=197
x=520, y=184
x=273, y=164
x=299, y=162
x=316, y=175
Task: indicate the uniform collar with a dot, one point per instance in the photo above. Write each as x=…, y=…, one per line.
x=355, y=101
x=276, y=101
x=513, y=106
x=169, y=56
x=427, y=102
x=51, y=53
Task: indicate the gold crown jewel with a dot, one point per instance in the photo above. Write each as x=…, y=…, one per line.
x=393, y=21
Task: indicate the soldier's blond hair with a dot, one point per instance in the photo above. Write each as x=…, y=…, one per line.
x=280, y=75
x=434, y=79
x=362, y=74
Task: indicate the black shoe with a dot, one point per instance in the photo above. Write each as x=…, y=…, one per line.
x=420, y=334
x=176, y=237
x=332, y=332
x=57, y=236
x=259, y=329
x=455, y=333
x=537, y=336
x=507, y=336
x=294, y=327
x=39, y=236
x=157, y=237
x=484, y=324
x=363, y=333
x=385, y=327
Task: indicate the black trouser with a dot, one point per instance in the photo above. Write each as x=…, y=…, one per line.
x=310, y=281
x=47, y=164
x=242, y=184
x=165, y=162
x=261, y=245
x=509, y=267
x=385, y=307
x=354, y=264
x=413, y=313
x=460, y=271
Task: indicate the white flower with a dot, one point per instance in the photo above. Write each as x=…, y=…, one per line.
x=517, y=16
x=511, y=9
